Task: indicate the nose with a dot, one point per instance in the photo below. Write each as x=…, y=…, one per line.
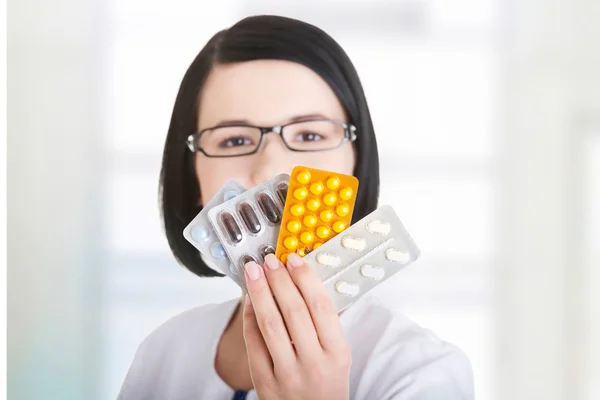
x=270, y=159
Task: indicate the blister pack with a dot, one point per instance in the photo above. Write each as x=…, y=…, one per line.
x=319, y=205
x=201, y=234
x=363, y=256
x=248, y=225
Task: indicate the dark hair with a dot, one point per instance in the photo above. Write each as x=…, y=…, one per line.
x=258, y=38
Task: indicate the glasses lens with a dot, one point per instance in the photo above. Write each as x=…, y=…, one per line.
x=314, y=135
x=230, y=140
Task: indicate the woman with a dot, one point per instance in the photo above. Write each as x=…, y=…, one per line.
x=286, y=340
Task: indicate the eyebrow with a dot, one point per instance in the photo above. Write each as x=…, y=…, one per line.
x=297, y=118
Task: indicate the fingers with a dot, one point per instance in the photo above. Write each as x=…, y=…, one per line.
x=293, y=309
x=322, y=310
x=267, y=315
x=259, y=358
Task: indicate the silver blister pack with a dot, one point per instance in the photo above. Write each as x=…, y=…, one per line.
x=248, y=225
x=201, y=234
x=363, y=256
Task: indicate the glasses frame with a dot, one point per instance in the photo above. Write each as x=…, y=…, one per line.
x=349, y=136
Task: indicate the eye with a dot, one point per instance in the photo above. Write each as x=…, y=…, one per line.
x=236, y=142
x=308, y=137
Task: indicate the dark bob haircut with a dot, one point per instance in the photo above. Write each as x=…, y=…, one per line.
x=258, y=38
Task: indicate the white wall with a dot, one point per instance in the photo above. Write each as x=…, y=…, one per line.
x=543, y=277
x=497, y=150
x=55, y=77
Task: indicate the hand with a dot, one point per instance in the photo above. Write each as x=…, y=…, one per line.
x=299, y=352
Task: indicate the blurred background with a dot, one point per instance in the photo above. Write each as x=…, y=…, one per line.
x=488, y=119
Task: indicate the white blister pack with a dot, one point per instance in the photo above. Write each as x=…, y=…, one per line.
x=363, y=256
x=248, y=225
x=201, y=234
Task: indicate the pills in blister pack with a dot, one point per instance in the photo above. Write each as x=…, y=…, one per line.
x=248, y=225
x=363, y=256
x=200, y=233
x=319, y=206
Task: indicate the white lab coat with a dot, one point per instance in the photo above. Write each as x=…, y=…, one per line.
x=392, y=358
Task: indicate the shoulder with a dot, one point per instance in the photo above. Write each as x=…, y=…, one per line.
x=394, y=358
x=198, y=321
x=166, y=355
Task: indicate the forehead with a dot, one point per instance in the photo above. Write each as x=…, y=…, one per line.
x=265, y=92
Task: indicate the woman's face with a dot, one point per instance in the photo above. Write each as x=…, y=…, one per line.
x=266, y=93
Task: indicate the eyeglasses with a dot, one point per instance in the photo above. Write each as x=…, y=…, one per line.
x=242, y=140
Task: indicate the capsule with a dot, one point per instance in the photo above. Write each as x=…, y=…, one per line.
x=294, y=226
x=372, y=272
x=346, y=193
x=347, y=288
x=338, y=226
x=297, y=210
x=317, y=188
x=282, y=189
x=269, y=208
x=249, y=217
x=328, y=259
x=353, y=243
x=233, y=269
x=342, y=210
x=290, y=243
x=266, y=250
x=231, y=227
x=217, y=251
x=313, y=204
x=200, y=233
x=333, y=183
x=329, y=199
x=300, y=193
x=326, y=215
x=377, y=226
x=246, y=259
x=307, y=237
x=396, y=255
x=303, y=177
x=310, y=221
x=230, y=194
x=323, y=232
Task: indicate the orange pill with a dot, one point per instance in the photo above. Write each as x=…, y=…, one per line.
x=326, y=215
x=297, y=210
x=294, y=226
x=329, y=199
x=310, y=221
x=284, y=258
x=346, y=193
x=301, y=252
x=323, y=232
x=317, y=188
x=342, y=210
x=300, y=193
x=317, y=245
x=313, y=204
x=303, y=177
x=339, y=226
x=290, y=242
x=333, y=183
x=307, y=237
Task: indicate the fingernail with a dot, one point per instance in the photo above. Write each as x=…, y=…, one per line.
x=253, y=270
x=295, y=260
x=272, y=261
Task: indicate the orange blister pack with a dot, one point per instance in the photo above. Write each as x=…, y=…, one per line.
x=319, y=205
